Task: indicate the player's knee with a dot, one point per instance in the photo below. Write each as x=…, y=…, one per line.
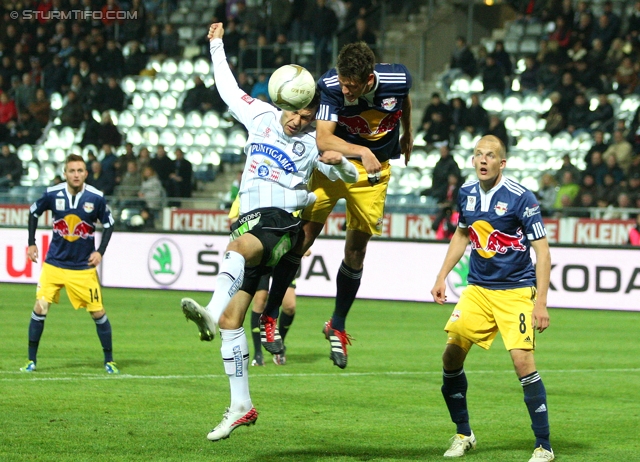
x=97, y=314
x=228, y=321
x=455, y=352
x=41, y=307
x=289, y=310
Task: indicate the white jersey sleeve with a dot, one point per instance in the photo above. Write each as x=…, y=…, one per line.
x=344, y=171
x=242, y=106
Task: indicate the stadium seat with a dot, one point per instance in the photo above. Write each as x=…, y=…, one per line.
x=89, y=148
x=137, y=101
x=533, y=103
x=33, y=171
x=541, y=141
x=219, y=138
x=126, y=119
x=460, y=85
x=169, y=66
x=526, y=123
x=194, y=156
x=168, y=101
x=185, y=66
x=202, y=138
x=154, y=64
x=56, y=101
x=511, y=45
x=185, y=33
x=177, y=119
x=150, y=136
x=151, y=100
x=512, y=104
x=42, y=154
x=529, y=46
x=185, y=138
x=211, y=119
x=59, y=154
x=160, y=84
x=25, y=153
x=193, y=119
x=630, y=103
x=476, y=85
x=237, y=137
x=561, y=142
x=144, y=84
x=66, y=137
x=167, y=137
x=202, y=66
x=493, y=103
x=134, y=136
x=534, y=29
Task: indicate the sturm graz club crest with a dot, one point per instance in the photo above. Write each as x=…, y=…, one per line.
x=298, y=148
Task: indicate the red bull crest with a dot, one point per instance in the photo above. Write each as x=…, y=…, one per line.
x=488, y=241
x=72, y=228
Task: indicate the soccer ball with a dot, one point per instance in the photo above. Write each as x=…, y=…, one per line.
x=291, y=87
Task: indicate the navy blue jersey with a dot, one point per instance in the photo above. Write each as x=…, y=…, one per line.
x=74, y=219
x=502, y=223
x=373, y=120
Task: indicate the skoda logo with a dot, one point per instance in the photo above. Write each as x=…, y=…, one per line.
x=164, y=262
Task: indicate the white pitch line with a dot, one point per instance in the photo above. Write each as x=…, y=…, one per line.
x=35, y=376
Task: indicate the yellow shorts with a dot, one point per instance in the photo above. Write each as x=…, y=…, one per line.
x=365, y=203
x=234, y=211
x=83, y=287
x=481, y=313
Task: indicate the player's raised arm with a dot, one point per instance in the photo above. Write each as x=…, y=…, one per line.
x=241, y=105
x=328, y=141
x=335, y=166
x=456, y=250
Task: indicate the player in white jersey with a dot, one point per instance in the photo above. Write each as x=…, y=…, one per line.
x=281, y=154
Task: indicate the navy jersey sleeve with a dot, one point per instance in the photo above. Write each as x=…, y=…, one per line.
x=41, y=205
x=529, y=211
x=331, y=98
x=104, y=214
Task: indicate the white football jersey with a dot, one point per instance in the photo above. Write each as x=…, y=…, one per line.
x=278, y=166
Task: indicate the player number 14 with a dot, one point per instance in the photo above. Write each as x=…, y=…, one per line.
x=95, y=297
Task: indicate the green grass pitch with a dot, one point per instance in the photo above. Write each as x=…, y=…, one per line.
x=386, y=406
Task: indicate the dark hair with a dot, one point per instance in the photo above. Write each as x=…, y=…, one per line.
x=356, y=62
x=74, y=158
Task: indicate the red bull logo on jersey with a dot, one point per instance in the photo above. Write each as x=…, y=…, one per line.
x=72, y=228
x=371, y=125
x=488, y=241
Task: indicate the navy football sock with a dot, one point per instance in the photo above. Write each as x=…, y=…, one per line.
x=103, y=327
x=284, y=323
x=255, y=332
x=36, y=326
x=535, y=397
x=348, y=283
x=454, y=391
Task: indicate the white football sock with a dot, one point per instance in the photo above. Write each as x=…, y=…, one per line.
x=228, y=282
x=235, y=356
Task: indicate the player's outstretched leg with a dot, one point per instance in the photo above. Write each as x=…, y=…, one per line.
x=542, y=455
x=194, y=312
x=230, y=421
x=258, y=359
x=270, y=335
x=338, y=341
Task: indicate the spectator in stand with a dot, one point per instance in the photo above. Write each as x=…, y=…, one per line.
x=151, y=190
x=439, y=131
x=633, y=24
x=579, y=116
x=323, y=28
x=25, y=93
x=108, y=133
x=626, y=77
x=101, y=180
x=477, y=120
x=436, y=105
x=577, y=52
x=169, y=43
x=127, y=189
x=445, y=223
x=634, y=168
x=76, y=85
x=445, y=167
x=162, y=166
x=548, y=78
x=589, y=185
x=555, y=118
x=92, y=93
x=8, y=110
x=634, y=233
x=610, y=190
x=114, y=58
x=633, y=185
x=614, y=19
x=598, y=145
x=567, y=166
x=597, y=54
x=71, y=114
x=136, y=61
x=109, y=161
x=597, y=168
x=583, y=203
x=152, y=41
x=614, y=169
x=134, y=29
x=199, y=98
x=614, y=56
x=502, y=57
x=547, y=194
x=25, y=131
x=7, y=70
x=144, y=158
x=260, y=89
x=462, y=63
x=281, y=51
x=458, y=118
x=583, y=30
x=587, y=78
x=362, y=33
x=567, y=192
x=621, y=150
x=10, y=169
x=40, y=109
x=561, y=34
x=568, y=90
x=602, y=118
x=127, y=156
x=83, y=71
x=528, y=77
x=244, y=82
x=497, y=129
x=493, y=76
x=604, y=31
x=180, y=178
x=113, y=96
x=54, y=76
